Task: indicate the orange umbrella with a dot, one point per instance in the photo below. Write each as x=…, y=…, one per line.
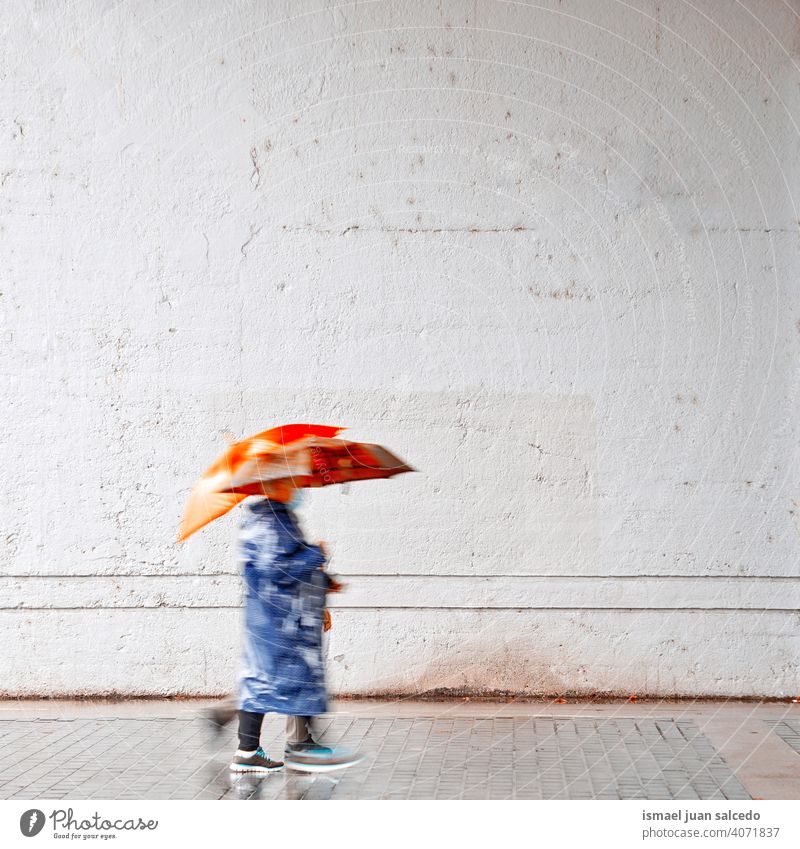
x=302, y=455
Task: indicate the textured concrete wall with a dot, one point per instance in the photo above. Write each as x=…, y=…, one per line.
x=548, y=253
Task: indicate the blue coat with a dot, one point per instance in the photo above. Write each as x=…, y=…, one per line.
x=282, y=666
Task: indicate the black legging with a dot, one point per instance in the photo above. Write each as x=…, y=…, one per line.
x=249, y=730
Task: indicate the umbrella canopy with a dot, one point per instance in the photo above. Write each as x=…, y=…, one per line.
x=301, y=455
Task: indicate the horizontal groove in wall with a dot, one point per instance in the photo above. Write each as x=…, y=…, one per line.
x=415, y=607
x=416, y=575
x=428, y=592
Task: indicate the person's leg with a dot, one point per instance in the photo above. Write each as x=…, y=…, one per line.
x=249, y=730
x=220, y=714
x=298, y=729
x=250, y=757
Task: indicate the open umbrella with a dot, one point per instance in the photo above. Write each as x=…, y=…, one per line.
x=303, y=455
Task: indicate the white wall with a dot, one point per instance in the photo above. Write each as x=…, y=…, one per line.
x=548, y=253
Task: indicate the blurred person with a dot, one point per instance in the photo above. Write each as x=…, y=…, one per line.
x=284, y=616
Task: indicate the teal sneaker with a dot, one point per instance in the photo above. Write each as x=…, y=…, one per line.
x=311, y=757
x=257, y=763
x=307, y=747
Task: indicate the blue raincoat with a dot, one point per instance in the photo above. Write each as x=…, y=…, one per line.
x=282, y=666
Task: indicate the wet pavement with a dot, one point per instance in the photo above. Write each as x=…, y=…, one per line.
x=413, y=751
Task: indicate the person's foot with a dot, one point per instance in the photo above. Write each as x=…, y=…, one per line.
x=254, y=762
x=307, y=747
x=309, y=756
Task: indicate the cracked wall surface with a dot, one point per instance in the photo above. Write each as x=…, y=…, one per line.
x=548, y=254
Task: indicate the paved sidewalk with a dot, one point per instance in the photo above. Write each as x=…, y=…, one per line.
x=446, y=750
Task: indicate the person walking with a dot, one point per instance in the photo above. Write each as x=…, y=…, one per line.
x=285, y=580
x=284, y=616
